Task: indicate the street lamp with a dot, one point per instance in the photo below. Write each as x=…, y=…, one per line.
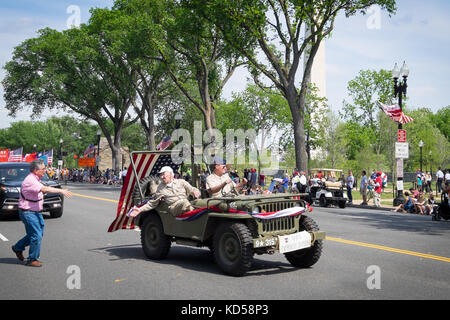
x=99, y=134
x=178, y=118
x=60, y=153
x=400, y=88
x=421, y=146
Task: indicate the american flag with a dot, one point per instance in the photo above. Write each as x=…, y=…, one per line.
x=395, y=113
x=89, y=150
x=164, y=144
x=15, y=155
x=49, y=155
x=145, y=164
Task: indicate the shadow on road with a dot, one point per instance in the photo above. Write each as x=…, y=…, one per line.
x=196, y=259
x=417, y=224
x=10, y=260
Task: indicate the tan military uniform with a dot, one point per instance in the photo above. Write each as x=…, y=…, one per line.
x=175, y=196
x=213, y=180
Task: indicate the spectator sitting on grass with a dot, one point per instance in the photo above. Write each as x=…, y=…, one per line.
x=407, y=205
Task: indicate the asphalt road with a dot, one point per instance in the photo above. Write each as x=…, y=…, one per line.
x=368, y=255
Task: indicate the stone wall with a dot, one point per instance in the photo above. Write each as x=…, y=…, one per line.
x=106, y=156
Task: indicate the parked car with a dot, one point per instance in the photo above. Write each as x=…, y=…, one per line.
x=12, y=175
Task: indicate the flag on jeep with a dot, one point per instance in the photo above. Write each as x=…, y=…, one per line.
x=143, y=164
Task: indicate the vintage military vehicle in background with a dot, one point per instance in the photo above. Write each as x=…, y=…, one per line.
x=234, y=227
x=329, y=191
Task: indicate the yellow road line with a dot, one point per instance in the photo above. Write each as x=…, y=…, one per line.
x=373, y=246
x=96, y=198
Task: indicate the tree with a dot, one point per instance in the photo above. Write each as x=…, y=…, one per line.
x=276, y=27
x=442, y=120
x=190, y=48
x=76, y=70
x=366, y=90
x=265, y=111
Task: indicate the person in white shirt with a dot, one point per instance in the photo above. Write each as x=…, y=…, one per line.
x=295, y=183
x=439, y=179
x=218, y=183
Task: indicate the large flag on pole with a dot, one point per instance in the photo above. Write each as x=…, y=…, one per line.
x=15, y=155
x=395, y=113
x=143, y=164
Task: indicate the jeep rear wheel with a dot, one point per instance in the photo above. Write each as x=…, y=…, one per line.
x=155, y=243
x=305, y=258
x=233, y=248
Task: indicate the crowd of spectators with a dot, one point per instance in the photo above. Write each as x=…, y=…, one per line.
x=92, y=175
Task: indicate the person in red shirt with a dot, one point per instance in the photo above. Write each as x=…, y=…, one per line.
x=378, y=189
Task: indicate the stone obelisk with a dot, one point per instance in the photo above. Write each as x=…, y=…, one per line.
x=318, y=78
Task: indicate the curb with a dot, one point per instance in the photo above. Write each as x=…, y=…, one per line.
x=370, y=207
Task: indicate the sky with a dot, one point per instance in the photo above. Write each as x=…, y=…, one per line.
x=417, y=34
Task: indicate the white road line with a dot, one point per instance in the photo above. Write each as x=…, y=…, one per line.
x=3, y=237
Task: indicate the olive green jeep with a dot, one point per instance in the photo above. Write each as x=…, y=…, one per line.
x=234, y=228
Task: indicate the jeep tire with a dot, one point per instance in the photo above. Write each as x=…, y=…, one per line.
x=305, y=258
x=233, y=248
x=155, y=243
x=342, y=204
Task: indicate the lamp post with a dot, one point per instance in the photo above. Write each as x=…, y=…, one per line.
x=400, y=88
x=99, y=134
x=60, y=158
x=178, y=118
x=421, y=147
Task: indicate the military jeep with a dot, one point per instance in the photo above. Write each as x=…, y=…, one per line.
x=232, y=229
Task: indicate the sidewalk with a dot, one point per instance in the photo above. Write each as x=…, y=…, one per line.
x=384, y=207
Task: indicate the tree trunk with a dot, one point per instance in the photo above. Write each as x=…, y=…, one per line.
x=296, y=103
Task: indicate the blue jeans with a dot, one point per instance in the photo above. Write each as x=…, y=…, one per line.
x=34, y=226
x=349, y=194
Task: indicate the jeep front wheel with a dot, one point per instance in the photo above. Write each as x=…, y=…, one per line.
x=233, y=248
x=305, y=258
x=155, y=243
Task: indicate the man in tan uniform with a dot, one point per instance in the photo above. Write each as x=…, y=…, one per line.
x=174, y=192
x=219, y=183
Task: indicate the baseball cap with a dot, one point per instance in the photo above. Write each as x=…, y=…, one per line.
x=166, y=169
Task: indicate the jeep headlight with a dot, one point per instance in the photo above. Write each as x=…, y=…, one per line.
x=256, y=210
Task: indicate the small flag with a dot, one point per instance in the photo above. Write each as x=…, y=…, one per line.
x=164, y=144
x=89, y=150
x=15, y=155
x=49, y=155
x=29, y=157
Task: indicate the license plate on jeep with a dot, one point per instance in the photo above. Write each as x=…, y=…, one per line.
x=294, y=242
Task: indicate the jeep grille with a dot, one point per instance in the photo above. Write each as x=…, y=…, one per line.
x=276, y=206
x=278, y=224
